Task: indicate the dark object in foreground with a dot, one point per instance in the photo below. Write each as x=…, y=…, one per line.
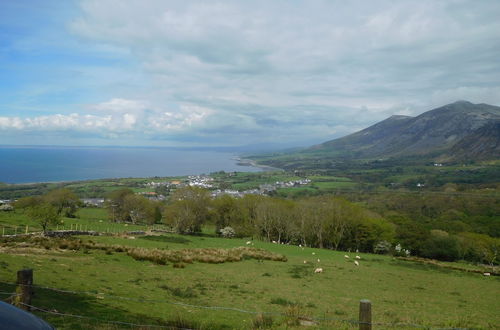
x=14, y=318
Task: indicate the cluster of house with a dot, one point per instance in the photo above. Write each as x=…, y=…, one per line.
x=151, y=195
x=201, y=181
x=95, y=202
x=264, y=189
x=289, y=184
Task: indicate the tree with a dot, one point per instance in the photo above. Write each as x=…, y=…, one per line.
x=225, y=210
x=139, y=209
x=45, y=214
x=64, y=200
x=188, y=210
x=115, y=203
x=27, y=202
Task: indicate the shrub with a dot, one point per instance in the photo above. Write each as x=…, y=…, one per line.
x=441, y=248
x=227, y=232
x=382, y=247
x=6, y=207
x=262, y=321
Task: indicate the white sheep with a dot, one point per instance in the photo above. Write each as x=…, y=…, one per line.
x=358, y=257
x=318, y=260
x=275, y=242
x=318, y=270
x=356, y=262
x=305, y=261
x=249, y=242
x=346, y=256
x=300, y=245
x=314, y=253
x=486, y=274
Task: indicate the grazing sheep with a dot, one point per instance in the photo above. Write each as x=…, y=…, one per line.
x=305, y=261
x=249, y=242
x=486, y=274
x=318, y=270
x=314, y=253
x=318, y=260
x=346, y=256
x=275, y=242
x=358, y=257
x=356, y=262
x=300, y=245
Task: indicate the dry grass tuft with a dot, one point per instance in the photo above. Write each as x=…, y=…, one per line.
x=208, y=255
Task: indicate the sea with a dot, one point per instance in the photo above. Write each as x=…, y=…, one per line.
x=30, y=164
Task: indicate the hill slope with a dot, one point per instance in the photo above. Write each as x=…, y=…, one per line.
x=461, y=128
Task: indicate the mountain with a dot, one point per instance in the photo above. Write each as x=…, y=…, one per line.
x=457, y=131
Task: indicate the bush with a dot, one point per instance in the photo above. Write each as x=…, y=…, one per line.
x=382, y=247
x=227, y=232
x=262, y=321
x=441, y=248
x=6, y=207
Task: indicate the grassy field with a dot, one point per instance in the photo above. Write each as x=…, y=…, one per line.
x=87, y=219
x=110, y=286
x=401, y=291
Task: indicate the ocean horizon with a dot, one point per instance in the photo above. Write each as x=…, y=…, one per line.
x=34, y=164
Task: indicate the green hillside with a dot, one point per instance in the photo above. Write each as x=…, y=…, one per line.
x=108, y=286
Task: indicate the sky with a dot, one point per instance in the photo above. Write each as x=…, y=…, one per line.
x=235, y=73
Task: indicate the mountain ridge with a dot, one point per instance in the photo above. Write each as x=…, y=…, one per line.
x=433, y=132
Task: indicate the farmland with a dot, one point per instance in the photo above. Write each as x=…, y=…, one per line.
x=401, y=291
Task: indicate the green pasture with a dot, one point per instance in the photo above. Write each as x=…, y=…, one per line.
x=401, y=291
x=95, y=219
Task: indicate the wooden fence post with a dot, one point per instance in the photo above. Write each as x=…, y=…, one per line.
x=365, y=315
x=24, y=289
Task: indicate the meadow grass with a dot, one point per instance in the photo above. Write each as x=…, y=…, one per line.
x=92, y=219
x=401, y=291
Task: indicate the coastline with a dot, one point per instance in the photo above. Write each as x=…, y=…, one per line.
x=26, y=166
x=250, y=162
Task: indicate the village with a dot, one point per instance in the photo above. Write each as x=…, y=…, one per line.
x=208, y=182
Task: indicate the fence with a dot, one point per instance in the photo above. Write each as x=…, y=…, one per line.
x=25, y=290
x=8, y=230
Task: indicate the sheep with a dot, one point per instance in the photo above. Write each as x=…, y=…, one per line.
x=358, y=257
x=274, y=242
x=318, y=270
x=305, y=261
x=249, y=242
x=486, y=274
x=300, y=245
x=356, y=262
x=318, y=260
x=314, y=253
x=346, y=256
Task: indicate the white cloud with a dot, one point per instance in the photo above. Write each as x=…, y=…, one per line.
x=115, y=116
x=245, y=71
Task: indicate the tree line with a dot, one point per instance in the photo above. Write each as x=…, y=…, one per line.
x=438, y=227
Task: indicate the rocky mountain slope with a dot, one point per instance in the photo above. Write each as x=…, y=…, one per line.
x=460, y=130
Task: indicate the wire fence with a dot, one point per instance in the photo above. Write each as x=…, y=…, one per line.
x=101, y=295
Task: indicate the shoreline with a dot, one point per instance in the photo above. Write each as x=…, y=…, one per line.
x=238, y=161
x=250, y=162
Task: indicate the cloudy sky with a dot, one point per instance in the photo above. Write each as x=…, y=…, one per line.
x=228, y=73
